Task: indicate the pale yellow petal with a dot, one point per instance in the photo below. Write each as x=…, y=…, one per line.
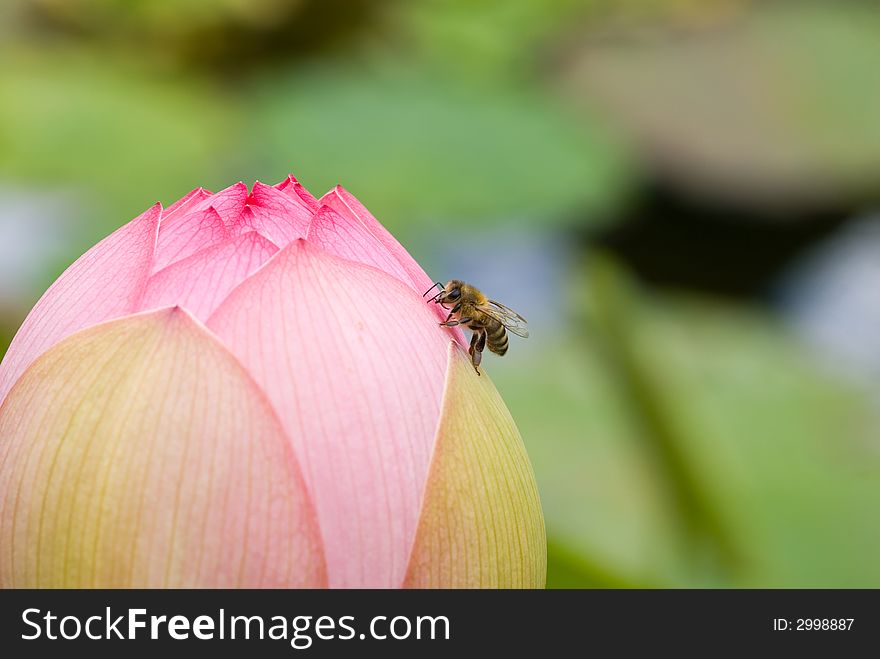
x=481, y=524
x=139, y=453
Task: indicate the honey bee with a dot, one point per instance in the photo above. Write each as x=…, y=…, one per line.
x=487, y=319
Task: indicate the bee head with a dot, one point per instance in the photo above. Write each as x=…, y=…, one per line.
x=451, y=293
x=448, y=294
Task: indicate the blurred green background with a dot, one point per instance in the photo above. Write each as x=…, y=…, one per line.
x=683, y=197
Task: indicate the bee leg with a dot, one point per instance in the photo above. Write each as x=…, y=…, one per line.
x=436, y=285
x=478, y=342
x=481, y=341
x=454, y=311
x=453, y=323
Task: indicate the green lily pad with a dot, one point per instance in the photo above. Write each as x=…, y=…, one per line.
x=124, y=138
x=777, y=107
x=434, y=151
x=780, y=454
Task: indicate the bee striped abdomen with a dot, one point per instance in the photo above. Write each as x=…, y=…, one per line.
x=496, y=338
x=490, y=321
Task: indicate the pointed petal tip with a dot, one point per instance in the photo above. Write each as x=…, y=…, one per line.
x=321, y=210
x=202, y=281
x=239, y=186
x=301, y=248
x=285, y=183
x=150, y=216
x=177, y=312
x=336, y=192
x=173, y=317
x=301, y=245
x=296, y=191
x=372, y=397
x=195, y=192
x=186, y=202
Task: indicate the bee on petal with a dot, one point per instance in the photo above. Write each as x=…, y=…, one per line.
x=487, y=319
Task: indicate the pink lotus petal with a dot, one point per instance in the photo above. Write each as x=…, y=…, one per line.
x=186, y=234
x=295, y=190
x=275, y=215
x=201, y=282
x=186, y=203
x=139, y=453
x=106, y=282
x=345, y=203
x=357, y=385
x=229, y=204
x=286, y=183
x=350, y=240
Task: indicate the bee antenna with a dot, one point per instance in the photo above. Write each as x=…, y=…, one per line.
x=436, y=285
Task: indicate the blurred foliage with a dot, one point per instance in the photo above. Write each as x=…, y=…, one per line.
x=415, y=151
x=616, y=322
x=501, y=38
x=160, y=17
x=781, y=455
x=418, y=150
x=226, y=36
x=118, y=133
x=776, y=108
x=491, y=38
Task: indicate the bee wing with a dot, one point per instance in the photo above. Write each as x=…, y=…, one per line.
x=511, y=320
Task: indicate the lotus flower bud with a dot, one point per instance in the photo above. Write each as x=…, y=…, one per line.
x=246, y=389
